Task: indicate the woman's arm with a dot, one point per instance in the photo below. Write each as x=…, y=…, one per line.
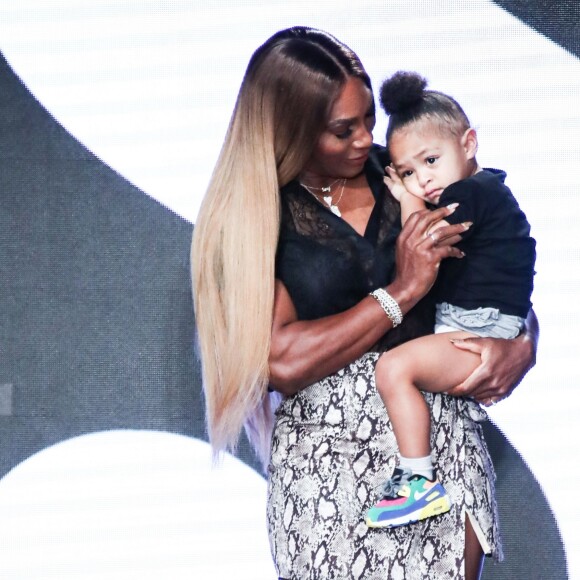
x=504, y=363
x=305, y=351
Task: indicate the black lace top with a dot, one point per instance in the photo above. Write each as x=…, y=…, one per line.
x=327, y=267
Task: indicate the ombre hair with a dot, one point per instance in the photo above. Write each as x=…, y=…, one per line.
x=283, y=106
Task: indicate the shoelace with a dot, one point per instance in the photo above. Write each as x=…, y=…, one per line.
x=392, y=486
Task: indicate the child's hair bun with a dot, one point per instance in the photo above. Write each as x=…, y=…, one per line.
x=402, y=91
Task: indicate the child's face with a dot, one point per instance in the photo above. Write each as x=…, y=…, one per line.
x=428, y=159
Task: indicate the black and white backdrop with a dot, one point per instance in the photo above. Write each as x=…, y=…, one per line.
x=111, y=117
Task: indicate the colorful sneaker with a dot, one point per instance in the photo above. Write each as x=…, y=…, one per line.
x=408, y=498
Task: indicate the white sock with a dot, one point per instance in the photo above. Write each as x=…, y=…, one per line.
x=420, y=465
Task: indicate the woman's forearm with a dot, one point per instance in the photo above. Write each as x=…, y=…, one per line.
x=531, y=336
x=303, y=352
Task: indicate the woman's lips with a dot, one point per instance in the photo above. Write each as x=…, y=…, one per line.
x=360, y=158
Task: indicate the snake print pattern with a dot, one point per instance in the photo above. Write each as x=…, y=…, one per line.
x=332, y=449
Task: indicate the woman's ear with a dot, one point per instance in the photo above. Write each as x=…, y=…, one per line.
x=469, y=143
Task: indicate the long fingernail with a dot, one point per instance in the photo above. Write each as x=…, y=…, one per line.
x=452, y=206
x=467, y=225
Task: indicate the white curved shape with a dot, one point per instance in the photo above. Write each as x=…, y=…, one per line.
x=133, y=504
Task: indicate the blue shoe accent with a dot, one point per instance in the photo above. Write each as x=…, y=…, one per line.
x=408, y=498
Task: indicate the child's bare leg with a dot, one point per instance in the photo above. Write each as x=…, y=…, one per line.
x=430, y=363
x=433, y=364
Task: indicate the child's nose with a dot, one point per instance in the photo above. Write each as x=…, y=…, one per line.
x=424, y=178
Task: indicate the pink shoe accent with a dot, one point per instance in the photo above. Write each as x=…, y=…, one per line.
x=388, y=502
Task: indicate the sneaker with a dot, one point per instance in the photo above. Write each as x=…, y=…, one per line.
x=408, y=498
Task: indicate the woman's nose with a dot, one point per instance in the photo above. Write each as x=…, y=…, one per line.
x=364, y=138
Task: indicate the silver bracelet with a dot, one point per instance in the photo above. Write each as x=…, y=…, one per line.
x=389, y=305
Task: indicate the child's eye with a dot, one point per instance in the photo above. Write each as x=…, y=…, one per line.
x=431, y=160
x=407, y=173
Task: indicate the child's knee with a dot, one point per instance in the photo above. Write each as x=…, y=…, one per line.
x=389, y=371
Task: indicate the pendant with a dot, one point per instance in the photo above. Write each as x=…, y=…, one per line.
x=333, y=208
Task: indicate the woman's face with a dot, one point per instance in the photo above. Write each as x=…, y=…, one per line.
x=343, y=147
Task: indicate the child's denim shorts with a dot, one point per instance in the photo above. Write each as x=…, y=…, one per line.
x=482, y=321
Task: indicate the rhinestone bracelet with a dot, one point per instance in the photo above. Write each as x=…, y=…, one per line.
x=389, y=305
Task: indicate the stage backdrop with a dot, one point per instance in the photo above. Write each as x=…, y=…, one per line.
x=111, y=117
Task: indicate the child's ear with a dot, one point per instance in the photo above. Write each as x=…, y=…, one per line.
x=469, y=143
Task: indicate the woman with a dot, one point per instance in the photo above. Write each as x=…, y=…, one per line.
x=293, y=235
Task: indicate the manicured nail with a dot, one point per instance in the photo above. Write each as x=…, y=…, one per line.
x=467, y=225
x=452, y=206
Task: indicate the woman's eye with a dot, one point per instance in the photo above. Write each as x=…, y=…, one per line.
x=344, y=135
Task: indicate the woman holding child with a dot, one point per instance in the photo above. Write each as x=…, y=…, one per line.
x=296, y=231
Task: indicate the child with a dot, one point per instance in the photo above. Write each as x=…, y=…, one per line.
x=487, y=293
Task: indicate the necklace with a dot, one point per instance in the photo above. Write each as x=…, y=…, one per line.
x=325, y=189
x=328, y=199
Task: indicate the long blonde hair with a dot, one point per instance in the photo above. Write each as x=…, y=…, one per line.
x=283, y=106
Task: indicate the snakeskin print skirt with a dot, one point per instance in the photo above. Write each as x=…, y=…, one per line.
x=333, y=447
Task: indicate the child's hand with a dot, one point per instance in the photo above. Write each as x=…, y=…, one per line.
x=409, y=202
x=394, y=183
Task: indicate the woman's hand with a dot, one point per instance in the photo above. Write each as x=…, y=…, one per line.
x=504, y=363
x=419, y=252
